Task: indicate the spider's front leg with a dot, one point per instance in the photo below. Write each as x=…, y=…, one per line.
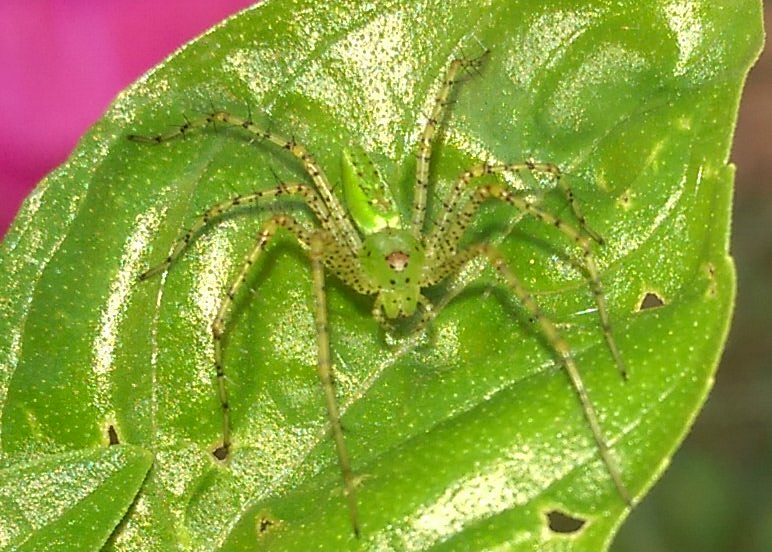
x=445, y=223
x=344, y=228
x=550, y=332
x=429, y=132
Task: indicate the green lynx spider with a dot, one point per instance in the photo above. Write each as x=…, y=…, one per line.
x=368, y=247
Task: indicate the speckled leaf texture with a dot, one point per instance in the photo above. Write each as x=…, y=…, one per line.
x=465, y=439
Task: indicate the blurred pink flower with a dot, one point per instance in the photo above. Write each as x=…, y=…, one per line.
x=63, y=62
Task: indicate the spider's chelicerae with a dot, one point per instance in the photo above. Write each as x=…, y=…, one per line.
x=365, y=244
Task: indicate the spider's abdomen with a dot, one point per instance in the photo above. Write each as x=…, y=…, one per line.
x=368, y=199
x=393, y=259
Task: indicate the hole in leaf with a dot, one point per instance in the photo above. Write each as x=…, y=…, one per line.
x=112, y=435
x=651, y=301
x=625, y=201
x=264, y=522
x=713, y=285
x=221, y=452
x=561, y=522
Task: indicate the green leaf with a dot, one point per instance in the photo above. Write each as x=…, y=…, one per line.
x=68, y=501
x=464, y=440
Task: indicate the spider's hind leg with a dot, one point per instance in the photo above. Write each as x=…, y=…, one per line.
x=318, y=243
x=219, y=324
x=556, y=341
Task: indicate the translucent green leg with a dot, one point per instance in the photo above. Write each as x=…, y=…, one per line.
x=556, y=341
x=218, y=325
x=460, y=192
x=322, y=184
x=448, y=236
x=219, y=210
x=427, y=137
x=324, y=366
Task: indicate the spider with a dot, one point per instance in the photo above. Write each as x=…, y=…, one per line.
x=365, y=243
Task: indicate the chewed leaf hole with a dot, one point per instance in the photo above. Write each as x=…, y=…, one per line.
x=264, y=523
x=651, y=301
x=561, y=522
x=221, y=452
x=112, y=435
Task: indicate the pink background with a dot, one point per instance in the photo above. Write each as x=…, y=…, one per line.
x=62, y=62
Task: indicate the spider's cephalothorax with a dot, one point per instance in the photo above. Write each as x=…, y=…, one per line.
x=365, y=243
x=393, y=258
x=390, y=257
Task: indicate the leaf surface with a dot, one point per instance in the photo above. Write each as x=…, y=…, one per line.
x=469, y=438
x=70, y=500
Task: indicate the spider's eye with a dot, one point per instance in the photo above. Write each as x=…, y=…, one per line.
x=398, y=260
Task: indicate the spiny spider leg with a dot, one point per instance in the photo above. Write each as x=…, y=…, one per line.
x=460, y=191
x=568, y=192
x=427, y=137
x=317, y=254
x=447, y=236
x=316, y=243
x=218, y=325
x=308, y=194
x=457, y=193
x=300, y=152
x=556, y=341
